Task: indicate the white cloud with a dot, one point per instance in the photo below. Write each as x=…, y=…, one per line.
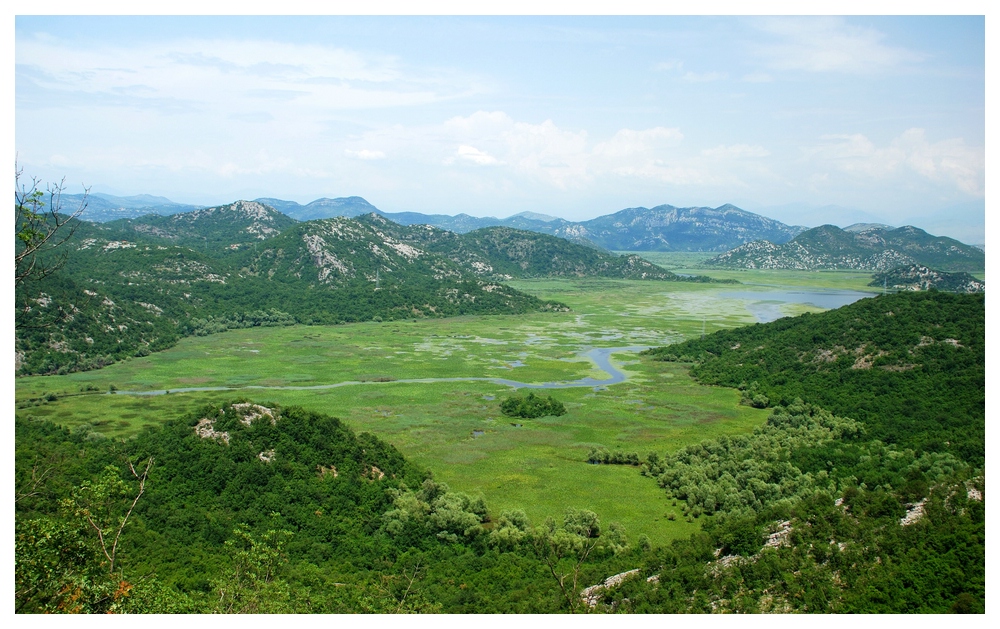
x=474, y=155
x=736, y=151
x=628, y=143
x=364, y=154
x=818, y=44
x=949, y=161
x=232, y=77
x=542, y=152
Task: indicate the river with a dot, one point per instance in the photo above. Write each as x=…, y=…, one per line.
x=600, y=356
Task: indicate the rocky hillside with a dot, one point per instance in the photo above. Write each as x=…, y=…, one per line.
x=668, y=228
x=873, y=249
x=222, y=226
x=917, y=277
x=662, y=228
x=518, y=253
x=120, y=296
x=321, y=208
x=503, y=253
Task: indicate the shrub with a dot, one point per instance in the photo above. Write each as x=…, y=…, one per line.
x=531, y=406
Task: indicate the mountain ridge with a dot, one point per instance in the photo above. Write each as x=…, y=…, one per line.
x=661, y=228
x=872, y=249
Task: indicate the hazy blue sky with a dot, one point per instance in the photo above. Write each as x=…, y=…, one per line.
x=573, y=117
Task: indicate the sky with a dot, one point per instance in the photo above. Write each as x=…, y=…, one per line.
x=808, y=120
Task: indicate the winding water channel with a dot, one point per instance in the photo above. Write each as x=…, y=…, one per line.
x=599, y=356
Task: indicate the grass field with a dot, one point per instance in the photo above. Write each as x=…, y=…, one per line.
x=455, y=428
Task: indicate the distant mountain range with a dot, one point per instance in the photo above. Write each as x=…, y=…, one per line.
x=102, y=208
x=870, y=248
x=662, y=228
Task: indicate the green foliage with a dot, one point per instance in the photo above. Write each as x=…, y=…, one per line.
x=877, y=249
x=909, y=366
x=564, y=548
x=601, y=456
x=800, y=450
x=523, y=254
x=129, y=288
x=252, y=583
x=848, y=558
x=449, y=515
x=918, y=277
x=531, y=406
x=238, y=320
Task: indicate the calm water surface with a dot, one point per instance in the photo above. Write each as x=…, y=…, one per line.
x=766, y=304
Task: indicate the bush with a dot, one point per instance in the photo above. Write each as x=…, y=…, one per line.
x=531, y=406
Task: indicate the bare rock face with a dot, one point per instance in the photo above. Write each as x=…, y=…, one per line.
x=914, y=513
x=592, y=595
x=250, y=412
x=206, y=430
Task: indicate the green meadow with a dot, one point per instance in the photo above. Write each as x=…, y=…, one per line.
x=455, y=429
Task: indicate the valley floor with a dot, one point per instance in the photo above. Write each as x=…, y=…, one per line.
x=455, y=429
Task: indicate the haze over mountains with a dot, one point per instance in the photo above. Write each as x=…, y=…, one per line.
x=662, y=228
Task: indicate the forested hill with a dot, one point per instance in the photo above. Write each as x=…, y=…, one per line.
x=206, y=229
x=503, y=253
x=918, y=277
x=255, y=508
x=133, y=287
x=493, y=253
x=872, y=249
x=909, y=366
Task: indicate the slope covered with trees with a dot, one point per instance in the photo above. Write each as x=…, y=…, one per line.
x=909, y=366
x=252, y=507
x=919, y=277
x=248, y=507
x=876, y=248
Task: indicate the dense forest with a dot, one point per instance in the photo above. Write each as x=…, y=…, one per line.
x=909, y=366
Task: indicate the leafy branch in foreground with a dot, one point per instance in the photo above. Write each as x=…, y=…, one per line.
x=99, y=503
x=39, y=229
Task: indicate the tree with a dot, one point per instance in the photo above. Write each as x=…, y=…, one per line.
x=59, y=568
x=252, y=585
x=565, y=549
x=100, y=504
x=40, y=227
